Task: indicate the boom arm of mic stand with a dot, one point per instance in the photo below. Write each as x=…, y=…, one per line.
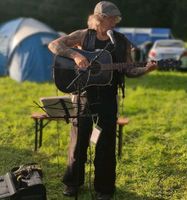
x=76, y=78
x=100, y=53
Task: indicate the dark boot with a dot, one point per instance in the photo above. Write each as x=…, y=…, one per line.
x=70, y=191
x=101, y=196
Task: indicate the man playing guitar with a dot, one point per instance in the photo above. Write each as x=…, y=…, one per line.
x=101, y=100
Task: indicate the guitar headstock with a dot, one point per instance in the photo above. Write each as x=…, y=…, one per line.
x=166, y=64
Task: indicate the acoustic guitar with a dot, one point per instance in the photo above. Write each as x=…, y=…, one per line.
x=68, y=78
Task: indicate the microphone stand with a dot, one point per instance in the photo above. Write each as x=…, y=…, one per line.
x=78, y=80
x=78, y=130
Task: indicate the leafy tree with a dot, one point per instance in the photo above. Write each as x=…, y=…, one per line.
x=179, y=19
x=66, y=15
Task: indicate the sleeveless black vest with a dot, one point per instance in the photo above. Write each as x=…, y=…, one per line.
x=120, y=51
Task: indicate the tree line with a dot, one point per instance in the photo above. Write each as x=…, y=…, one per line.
x=66, y=15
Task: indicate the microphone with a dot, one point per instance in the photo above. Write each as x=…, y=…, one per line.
x=111, y=36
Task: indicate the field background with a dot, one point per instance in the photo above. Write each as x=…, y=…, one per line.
x=153, y=165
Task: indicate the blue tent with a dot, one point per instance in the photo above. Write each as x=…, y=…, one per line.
x=140, y=35
x=24, y=54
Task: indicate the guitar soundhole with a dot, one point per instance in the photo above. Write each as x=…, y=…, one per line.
x=95, y=69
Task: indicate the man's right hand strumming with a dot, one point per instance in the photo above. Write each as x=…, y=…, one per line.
x=81, y=61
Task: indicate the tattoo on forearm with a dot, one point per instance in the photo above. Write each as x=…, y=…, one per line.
x=62, y=45
x=69, y=53
x=136, y=71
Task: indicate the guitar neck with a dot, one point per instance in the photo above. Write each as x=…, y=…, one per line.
x=121, y=66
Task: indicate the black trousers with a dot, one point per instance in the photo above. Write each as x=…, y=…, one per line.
x=105, y=159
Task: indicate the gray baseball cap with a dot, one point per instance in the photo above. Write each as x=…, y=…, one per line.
x=106, y=8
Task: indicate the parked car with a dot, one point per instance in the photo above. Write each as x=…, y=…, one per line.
x=166, y=49
x=183, y=59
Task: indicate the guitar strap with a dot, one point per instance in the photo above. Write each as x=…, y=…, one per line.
x=121, y=43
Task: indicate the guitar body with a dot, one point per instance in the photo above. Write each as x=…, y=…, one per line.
x=65, y=71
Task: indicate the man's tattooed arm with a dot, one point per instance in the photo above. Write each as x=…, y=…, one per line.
x=132, y=70
x=62, y=46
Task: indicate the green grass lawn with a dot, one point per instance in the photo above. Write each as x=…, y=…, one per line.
x=153, y=165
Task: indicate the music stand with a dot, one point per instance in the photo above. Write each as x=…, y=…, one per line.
x=59, y=107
